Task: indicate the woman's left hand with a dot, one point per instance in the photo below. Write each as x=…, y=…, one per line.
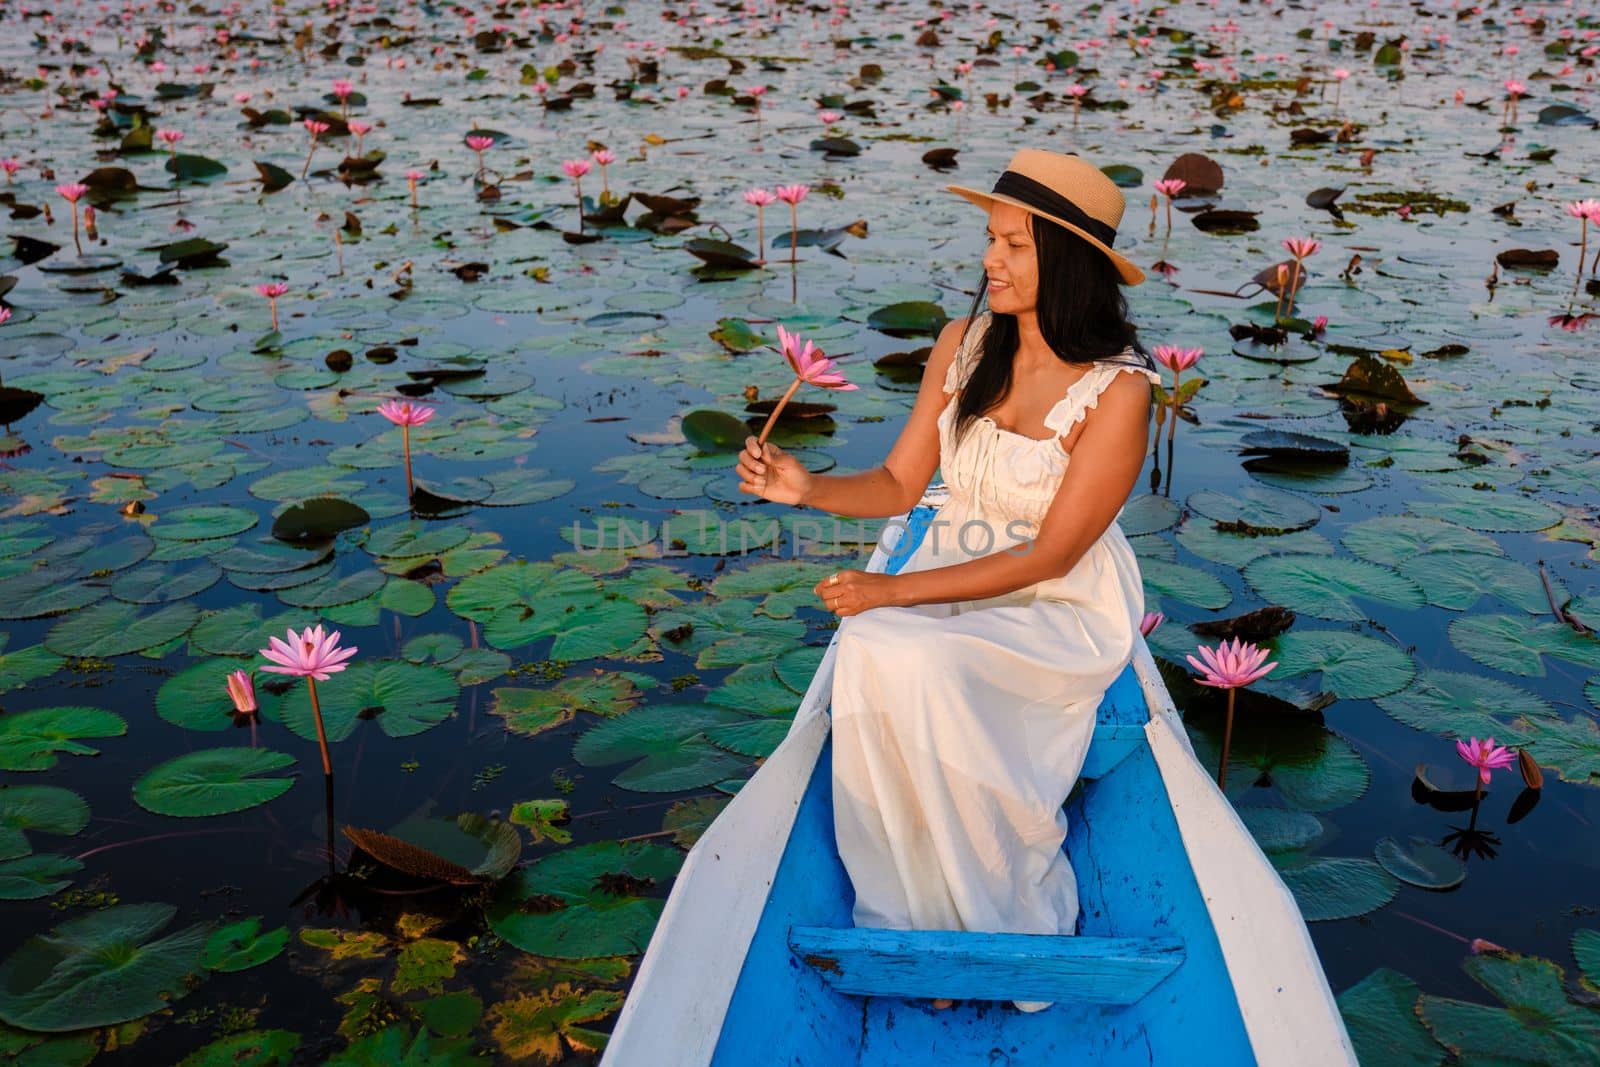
x=852, y=592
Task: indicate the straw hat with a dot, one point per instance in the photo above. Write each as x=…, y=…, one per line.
x=1066, y=190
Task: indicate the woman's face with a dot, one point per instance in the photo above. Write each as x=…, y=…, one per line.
x=1011, y=260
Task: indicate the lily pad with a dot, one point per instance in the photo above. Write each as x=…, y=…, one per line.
x=30, y=740
x=1336, y=888
x=1538, y=1020
x=212, y=782
x=582, y=903
x=669, y=743
x=45, y=808
x=1421, y=863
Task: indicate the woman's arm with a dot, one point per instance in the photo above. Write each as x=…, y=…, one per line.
x=1106, y=461
x=894, y=487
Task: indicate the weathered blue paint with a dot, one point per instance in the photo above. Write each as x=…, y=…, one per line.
x=1134, y=881
x=961, y=964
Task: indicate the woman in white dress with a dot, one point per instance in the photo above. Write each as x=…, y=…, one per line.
x=966, y=686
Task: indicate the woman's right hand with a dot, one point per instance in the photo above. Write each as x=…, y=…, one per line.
x=767, y=471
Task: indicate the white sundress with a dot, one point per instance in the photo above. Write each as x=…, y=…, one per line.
x=960, y=728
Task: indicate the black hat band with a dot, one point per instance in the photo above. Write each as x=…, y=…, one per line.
x=1041, y=196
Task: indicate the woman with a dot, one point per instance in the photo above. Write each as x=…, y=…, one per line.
x=966, y=686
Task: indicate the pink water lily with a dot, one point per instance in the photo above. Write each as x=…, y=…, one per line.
x=314, y=656
x=273, y=290
x=10, y=166
x=1169, y=188
x=576, y=169
x=479, y=144
x=316, y=128
x=760, y=198
x=170, y=138
x=72, y=192
x=604, y=157
x=405, y=414
x=342, y=89
x=1151, y=620
x=1586, y=211
x=792, y=195
x=828, y=118
x=1299, y=248
x=810, y=366
x=1077, y=90
x=1339, y=75
x=242, y=691
x=1486, y=756
x=360, y=129
x=1230, y=666
x=1177, y=360
x=412, y=178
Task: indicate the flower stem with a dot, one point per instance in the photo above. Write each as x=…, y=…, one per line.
x=405, y=437
x=322, y=736
x=761, y=241
x=1169, y=212
x=794, y=233
x=273, y=301
x=75, y=241
x=1172, y=431
x=772, y=418
x=1227, y=738
x=307, y=168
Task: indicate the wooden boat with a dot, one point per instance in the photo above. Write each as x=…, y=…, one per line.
x=1191, y=950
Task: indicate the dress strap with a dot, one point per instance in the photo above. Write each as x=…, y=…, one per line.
x=967, y=354
x=1084, y=394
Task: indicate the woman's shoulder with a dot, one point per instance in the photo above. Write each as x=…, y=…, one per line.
x=1129, y=359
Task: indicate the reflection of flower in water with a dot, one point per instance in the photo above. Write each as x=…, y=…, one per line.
x=1467, y=841
x=1572, y=323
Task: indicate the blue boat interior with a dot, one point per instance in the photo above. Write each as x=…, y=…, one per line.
x=1144, y=981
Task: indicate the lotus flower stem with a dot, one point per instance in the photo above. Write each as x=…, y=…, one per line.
x=405, y=440
x=1227, y=739
x=761, y=240
x=322, y=736
x=773, y=417
x=794, y=232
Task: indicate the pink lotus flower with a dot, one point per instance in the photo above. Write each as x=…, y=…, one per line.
x=171, y=138
x=1588, y=211
x=1486, y=756
x=604, y=157
x=683, y=91
x=760, y=198
x=72, y=192
x=809, y=364
x=792, y=195
x=1230, y=665
x=412, y=178
x=314, y=656
x=1176, y=359
x=404, y=413
x=1341, y=74
x=343, y=89
x=1319, y=324
x=310, y=654
x=1171, y=187
x=273, y=290
x=828, y=118
x=575, y=168
x=1151, y=620
x=479, y=143
x=10, y=166
x=241, y=98
x=5, y=315
x=1301, y=247
x=1515, y=88
x=316, y=128
x=242, y=691
x=360, y=129
x=1077, y=89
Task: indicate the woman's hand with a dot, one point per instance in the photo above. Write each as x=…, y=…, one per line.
x=852, y=592
x=771, y=473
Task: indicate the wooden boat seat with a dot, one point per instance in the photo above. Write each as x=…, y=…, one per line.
x=979, y=966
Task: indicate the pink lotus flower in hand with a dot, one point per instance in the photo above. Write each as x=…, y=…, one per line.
x=809, y=363
x=1230, y=665
x=1486, y=756
x=312, y=653
x=1301, y=247
x=1151, y=620
x=404, y=413
x=242, y=691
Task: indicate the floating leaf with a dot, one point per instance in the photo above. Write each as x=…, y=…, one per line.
x=530, y=1026
x=1421, y=863
x=30, y=740
x=404, y=698
x=240, y=946
x=1327, y=586
x=1538, y=1021
x=572, y=904
x=36, y=876
x=112, y=628
x=45, y=808
x=212, y=782
x=671, y=740
x=1518, y=645
x=1353, y=666
x=1329, y=888
x=100, y=969
x=1380, y=1012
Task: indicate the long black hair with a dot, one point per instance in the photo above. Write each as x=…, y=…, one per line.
x=1082, y=314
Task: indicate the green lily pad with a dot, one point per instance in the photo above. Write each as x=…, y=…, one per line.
x=1380, y=1013
x=1539, y=1022
x=1455, y=704
x=253, y=1048
x=202, y=523
x=1353, y=666
x=523, y=602
x=405, y=699
x=100, y=969
x=1256, y=509
x=909, y=318
x=36, y=876
x=1281, y=830
x=1421, y=863
x=212, y=782
x=46, y=808
x=1327, y=586
x=669, y=743
x=710, y=430
x=1336, y=888
x=240, y=946
x=1488, y=511
x=318, y=519
x=1456, y=581
x=1392, y=539
x=25, y=665
x=112, y=628
x=580, y=903
x=30, y=740
x=1517, y=644
x=532, y=711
